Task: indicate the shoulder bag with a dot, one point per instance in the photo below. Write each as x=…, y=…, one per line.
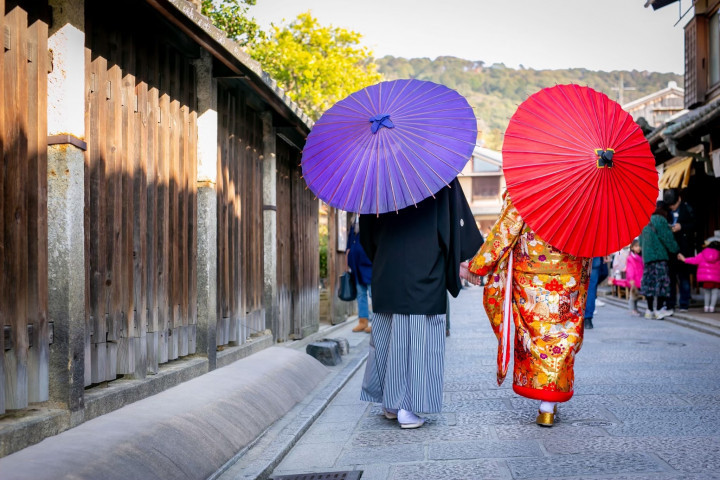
x=347, y=290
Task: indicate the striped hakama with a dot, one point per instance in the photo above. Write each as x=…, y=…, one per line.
x=406, y=362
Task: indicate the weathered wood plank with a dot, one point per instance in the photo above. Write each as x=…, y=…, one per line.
x=244, y=201
x=15, y=212
x=222, y=207
x=296, y=238
x=226, y=218
x=96, y=155
x=128, y=334
x=152, y=229
x=3, y=291
x=115, y=232
x=174, y=221
x=259, y=225
x=184, y=220
x=140, y=198
x=235, y=218
x=87, y=222
x=192, y=232
x=38, y=354
x=162, y=218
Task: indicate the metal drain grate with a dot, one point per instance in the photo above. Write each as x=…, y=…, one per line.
x=350, y=475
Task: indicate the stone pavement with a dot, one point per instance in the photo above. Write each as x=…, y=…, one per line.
x=646, y=406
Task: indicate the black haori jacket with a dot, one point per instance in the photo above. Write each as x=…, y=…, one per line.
x=416, y=252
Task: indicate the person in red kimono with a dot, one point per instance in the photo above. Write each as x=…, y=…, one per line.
x=542, y=291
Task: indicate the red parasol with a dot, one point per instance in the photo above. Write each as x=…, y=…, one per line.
x=579, y=170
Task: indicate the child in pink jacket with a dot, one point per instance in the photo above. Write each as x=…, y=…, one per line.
x=708, y=273
x=633, y=276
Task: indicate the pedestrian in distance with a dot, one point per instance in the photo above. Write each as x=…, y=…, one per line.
x=658, y=246
x=633, y=277
x=548, y=289
x=682, y=223
x=619, y=265
x=598, y=274
x=361, y=267
x=708, y=274
x=416, y=254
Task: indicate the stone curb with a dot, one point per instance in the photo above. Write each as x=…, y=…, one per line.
x=259, y=459
x=678, y=318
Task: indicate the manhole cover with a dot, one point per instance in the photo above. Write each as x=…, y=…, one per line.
x=350, y=475
x=593, y=423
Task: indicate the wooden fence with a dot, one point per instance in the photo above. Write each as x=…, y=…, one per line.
x=141, y=207
x=240, y=218
x=297, y=248
x=140, y=211
x=23, y=218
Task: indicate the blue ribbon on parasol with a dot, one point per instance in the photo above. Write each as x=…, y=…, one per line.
x=380, y=120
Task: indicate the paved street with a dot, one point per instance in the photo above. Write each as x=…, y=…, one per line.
x=646, y=406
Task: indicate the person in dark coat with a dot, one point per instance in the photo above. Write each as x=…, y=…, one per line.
x=658, y=246
x=361, y=267
x=682, y=223
x=416, y=255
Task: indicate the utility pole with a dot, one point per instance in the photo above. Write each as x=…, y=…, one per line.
x=621, y=89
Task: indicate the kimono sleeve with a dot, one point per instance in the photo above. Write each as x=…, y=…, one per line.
x=502, y=237
x=459, y=235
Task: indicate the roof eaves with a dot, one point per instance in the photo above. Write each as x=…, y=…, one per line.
x=487, y=154
x=651, y=96
x=691, y=120
x=185, y=16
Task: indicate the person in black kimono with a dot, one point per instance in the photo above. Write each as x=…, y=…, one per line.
x=416, y=255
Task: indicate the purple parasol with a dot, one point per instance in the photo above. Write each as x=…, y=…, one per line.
x=389, y=146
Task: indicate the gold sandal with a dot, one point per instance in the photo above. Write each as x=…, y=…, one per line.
x=547, y=419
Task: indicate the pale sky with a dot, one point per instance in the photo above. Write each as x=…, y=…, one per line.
x=541, y=34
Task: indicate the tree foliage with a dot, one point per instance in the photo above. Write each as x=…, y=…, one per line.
x=231, y=16
x=495, y=90
x=316, y=65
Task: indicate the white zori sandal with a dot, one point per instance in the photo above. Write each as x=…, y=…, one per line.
x=408, y=419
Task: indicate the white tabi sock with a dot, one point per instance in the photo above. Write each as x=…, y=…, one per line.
x=547, y=407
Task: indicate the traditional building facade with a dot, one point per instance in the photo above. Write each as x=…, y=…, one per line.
x=483, y=182
x=687, y=147
x=156, y=226
x=658, y=107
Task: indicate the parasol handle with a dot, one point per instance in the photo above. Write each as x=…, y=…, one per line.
x=605, y=157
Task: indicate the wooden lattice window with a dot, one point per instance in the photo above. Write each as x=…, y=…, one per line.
x=484, y=188
x=696, y=68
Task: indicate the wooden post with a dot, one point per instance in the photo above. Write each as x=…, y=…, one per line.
x=38, y=356
x=14, y=210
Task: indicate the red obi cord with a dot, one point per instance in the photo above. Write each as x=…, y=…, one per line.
x=543, y=395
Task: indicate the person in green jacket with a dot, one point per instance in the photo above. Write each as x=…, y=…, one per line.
x=658, y=244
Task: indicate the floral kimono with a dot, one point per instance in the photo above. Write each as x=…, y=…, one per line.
x=547, y=302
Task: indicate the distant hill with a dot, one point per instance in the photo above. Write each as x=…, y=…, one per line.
x=496, y=90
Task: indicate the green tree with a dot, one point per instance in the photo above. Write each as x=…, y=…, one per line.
x=231, y=16
x=316, y=65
